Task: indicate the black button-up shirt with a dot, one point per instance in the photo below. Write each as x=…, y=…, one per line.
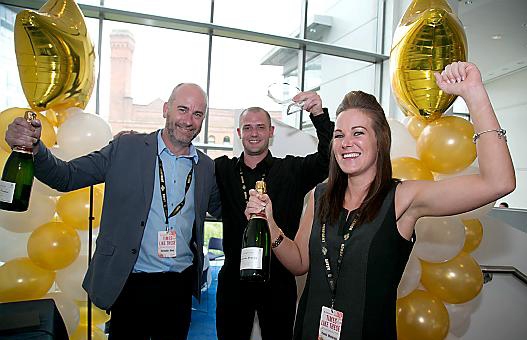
x=288, y=180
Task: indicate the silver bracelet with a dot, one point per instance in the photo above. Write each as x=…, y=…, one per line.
x=501, y=133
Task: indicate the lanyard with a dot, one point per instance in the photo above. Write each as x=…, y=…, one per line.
x=162, y=186
x=332, y=279
x=244, y=187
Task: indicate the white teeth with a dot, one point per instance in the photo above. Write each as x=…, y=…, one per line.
x=351, y=155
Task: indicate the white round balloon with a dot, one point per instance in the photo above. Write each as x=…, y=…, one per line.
x=439, y=239
x=70, y=278
x=83, y=133
x=403, y=144
x=68, y=310
x=41, y=210
x=411, y=277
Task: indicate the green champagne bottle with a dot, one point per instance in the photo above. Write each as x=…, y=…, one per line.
x=17, y=177
x=255, y=261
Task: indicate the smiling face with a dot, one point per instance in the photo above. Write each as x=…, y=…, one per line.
x=355, y=143
x=255, y=131
x=184, y=113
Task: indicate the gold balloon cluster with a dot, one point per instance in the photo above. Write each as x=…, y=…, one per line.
x=42, y=246
x=441, y=273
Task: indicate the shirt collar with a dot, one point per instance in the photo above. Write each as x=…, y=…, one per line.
x=266, y=163
x=161, y=146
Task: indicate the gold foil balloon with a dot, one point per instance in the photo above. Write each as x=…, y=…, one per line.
x=48, y=135
x=446, y=146
x=422, y=316
x=54, y=245
x=21, y=279
x=473, y=235
x=55, y=56
x=415, y=126
x=74, y=208
x=456, y=281
x=428, y=38
x=409, y=168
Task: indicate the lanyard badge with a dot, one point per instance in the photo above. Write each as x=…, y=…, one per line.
x=166, y=239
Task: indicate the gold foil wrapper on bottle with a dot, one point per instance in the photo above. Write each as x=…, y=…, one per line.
x=428, y=38
x=260, y=187
x=55, y=56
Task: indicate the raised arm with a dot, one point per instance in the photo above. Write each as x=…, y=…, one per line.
x=293, y=254
x=463, y=193
x=314, y=167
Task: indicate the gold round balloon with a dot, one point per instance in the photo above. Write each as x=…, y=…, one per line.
x=74, y=208
x=428, y=38
x=54, y=245
x=415, y=126
x=473, y=235
x=21, y=279
x=98, y=316
x=81, y=333
x=409, y=168
x=456, y=281
x=421, y=315
x=48, y=135
x=446, y=146
x=55, y=56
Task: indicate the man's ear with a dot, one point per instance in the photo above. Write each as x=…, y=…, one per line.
x=239, y=133
x=165, y=109
x=271, y=131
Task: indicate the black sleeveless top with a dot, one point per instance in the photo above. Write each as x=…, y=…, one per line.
x=374, y=260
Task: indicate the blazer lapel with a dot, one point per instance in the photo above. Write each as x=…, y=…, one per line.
x=149, y=167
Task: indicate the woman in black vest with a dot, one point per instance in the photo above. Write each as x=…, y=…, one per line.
x=357, y=232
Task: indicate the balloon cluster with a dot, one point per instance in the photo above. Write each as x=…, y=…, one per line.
x=438, y=290
x=40, y=247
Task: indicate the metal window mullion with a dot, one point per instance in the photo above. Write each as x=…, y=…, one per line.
x=91, y=11
x=302, y=56
x=209, y=68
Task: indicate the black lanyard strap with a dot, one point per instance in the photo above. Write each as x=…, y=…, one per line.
x=333, y=278
x=163, y=188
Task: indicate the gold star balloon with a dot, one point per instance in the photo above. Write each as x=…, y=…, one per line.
x=55, y=56
x=428, y=38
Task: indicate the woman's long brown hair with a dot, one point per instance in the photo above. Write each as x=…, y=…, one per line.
x=332, y=200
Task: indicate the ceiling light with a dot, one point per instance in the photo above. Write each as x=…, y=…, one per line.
x=468, y=2
x=496, y=37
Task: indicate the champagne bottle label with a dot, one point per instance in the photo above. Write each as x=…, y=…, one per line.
x=7, y=191
x=251, y=258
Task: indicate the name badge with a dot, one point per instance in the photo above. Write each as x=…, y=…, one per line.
x=166, y=243
x=330, y=324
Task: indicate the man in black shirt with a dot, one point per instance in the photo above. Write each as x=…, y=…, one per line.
x=288, y=180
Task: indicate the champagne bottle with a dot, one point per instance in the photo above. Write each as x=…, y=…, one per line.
x=255, y=261
x=17, y=177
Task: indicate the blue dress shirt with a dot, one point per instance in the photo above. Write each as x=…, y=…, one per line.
x=176, y=169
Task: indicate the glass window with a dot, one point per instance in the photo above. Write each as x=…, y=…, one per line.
x=138, y=73
x=226, y=140
x=241, y=71
x=212, y=139
x=345, y=23
x=195, y=10
x=276, y=17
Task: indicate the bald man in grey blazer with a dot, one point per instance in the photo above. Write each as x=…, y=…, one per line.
x=158, y=188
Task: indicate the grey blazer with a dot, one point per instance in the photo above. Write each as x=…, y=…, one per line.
x=127, y=167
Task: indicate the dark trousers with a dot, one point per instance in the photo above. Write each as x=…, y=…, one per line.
x=154, y=306
x=237, y=301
